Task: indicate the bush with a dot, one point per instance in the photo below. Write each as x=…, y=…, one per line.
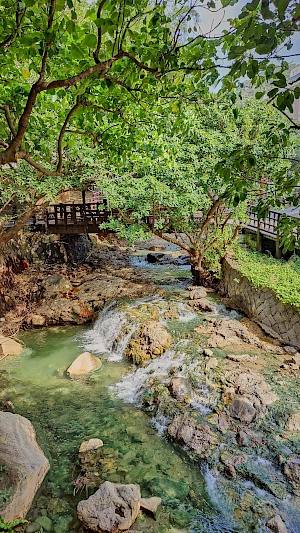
x=266, y=272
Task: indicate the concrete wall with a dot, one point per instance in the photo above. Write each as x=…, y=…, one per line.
x=280, y=320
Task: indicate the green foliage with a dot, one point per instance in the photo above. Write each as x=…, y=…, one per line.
x=9, y=527
x=265, y=272
x=196, y=177
x=5, y=494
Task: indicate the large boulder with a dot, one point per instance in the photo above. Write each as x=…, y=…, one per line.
x=9, y=346
x=152, y=340
x=197, y=437
x=84, y=364
x=57, y=283
x=243, y=409
x=248, y=395
x=197, y=293
x=114, y=507
x=202, y=304
x=25, y=462
x=228, y=332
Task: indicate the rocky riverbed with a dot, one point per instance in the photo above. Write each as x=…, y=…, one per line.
x=211, y=381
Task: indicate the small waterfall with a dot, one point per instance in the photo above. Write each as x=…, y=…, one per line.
x=225, y=313
x=133, y=384
x=107, y=328
x=119, y=348
x=184, y=313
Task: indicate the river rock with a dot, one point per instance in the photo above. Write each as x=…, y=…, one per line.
x=208, y=353
x=277, y=524
x=150, y=504
x=253, y=383
x=211, y=363
x=153, y=339
x=25, y=461
x=292, y=471
x=228, y=332
x=38, y=320
x=293, y=422
x=198, y=293
x=9, y=346
x=242, y=438
x=84, y=364
x=243, y=409
x=57, y=283
x=180, y=389
x=198, y=438
x=90, y=445
x=112, y=508
x=202, y=304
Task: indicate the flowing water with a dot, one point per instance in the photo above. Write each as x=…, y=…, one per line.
x=105, y=405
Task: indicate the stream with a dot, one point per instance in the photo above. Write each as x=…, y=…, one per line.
x=106, y=405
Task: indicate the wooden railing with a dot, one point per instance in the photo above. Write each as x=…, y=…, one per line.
x=267, y=226
x=77, y=218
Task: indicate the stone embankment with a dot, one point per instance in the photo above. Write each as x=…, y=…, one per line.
x=279, y=320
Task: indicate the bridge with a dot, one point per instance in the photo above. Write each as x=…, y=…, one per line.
x=86, y=217
x=77, y=219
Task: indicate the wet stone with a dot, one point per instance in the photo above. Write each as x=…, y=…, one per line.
x=243, y=409
x=277, y=524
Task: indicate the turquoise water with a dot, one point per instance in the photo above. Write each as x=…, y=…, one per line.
x=66, y=412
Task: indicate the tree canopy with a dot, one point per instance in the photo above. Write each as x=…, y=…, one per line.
x=67, y=65
x=192, y=188
x=80, y=82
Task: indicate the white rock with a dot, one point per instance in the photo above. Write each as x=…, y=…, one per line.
x=92, y=444
x=9, y=346
x=83, y=364
x=150, y=504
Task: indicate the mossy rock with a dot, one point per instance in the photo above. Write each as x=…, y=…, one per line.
x=167, y=489
x=180, y=518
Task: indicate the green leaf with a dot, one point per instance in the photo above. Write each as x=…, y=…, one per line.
x=252, y=5
x=272, y=93
x=90, y=40
x=76, y=52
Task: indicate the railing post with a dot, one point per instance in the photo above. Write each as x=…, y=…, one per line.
x=278, y=249
x=258, y=237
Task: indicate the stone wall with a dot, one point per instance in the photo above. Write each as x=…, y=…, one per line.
x=279, y=320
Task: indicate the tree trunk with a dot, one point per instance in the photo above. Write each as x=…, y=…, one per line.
x=11, y=233
x=198, y=272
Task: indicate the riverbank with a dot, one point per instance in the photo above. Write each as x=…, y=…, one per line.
x=67, y=293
